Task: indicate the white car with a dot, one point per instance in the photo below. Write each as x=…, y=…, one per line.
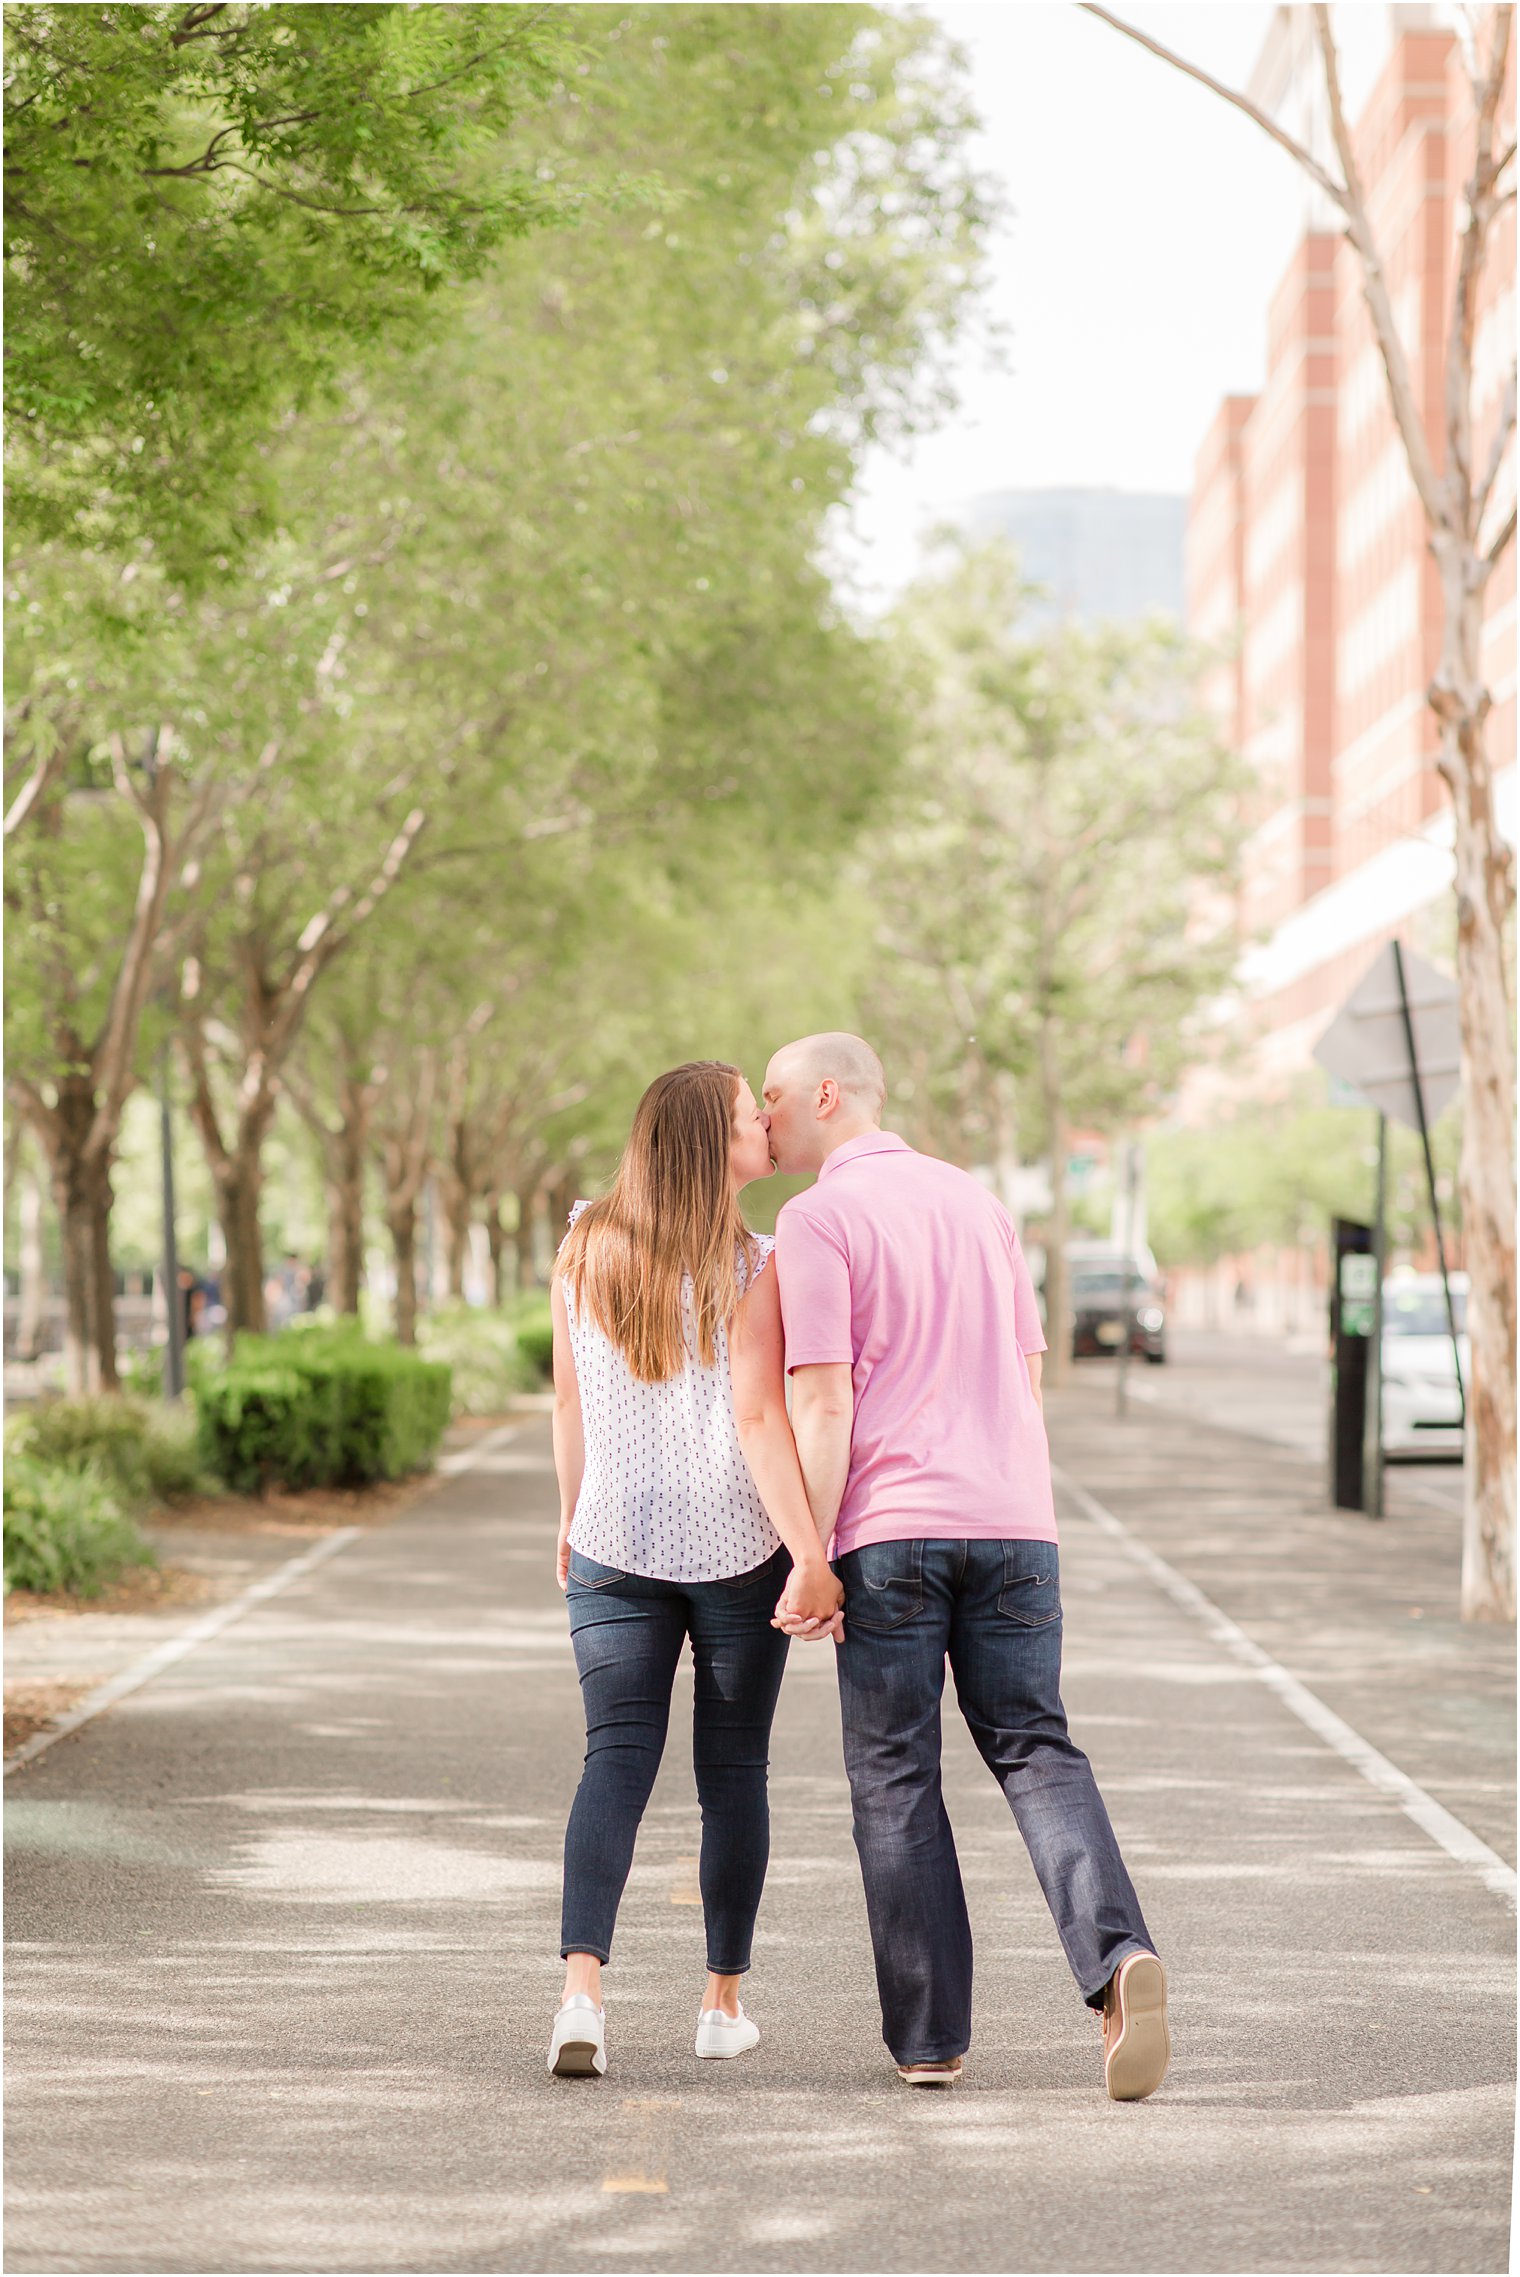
x=1422, y=1413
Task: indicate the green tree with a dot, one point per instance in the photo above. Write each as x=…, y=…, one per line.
x=1054, y=886
x=211, y=208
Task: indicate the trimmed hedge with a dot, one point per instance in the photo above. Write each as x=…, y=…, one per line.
x=535, y=1341
x=321, y=1408
x=483, y=1349
x=65, y=1528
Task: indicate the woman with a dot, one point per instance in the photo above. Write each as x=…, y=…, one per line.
x=682, y=1511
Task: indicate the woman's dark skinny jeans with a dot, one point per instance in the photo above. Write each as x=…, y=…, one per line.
x=628, y=1630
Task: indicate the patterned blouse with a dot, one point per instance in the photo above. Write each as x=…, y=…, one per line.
x=666, y=1491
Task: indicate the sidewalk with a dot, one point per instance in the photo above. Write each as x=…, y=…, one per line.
x=1363, y=1611
x=284, y=1935
x=57, y=1651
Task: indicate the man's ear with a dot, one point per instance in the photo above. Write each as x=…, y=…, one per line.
x=828, y=1096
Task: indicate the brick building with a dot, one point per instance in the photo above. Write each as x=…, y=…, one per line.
x=1305, y=535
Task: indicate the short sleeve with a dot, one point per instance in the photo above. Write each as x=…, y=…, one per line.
x=1026, y=1310
x=575, y=1211
x=759, y=1257
x=814, y=1276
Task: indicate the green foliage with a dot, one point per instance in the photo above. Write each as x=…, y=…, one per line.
x=1052, y=885
x=65, y=1528
x=484, y=1352
x=1275, y=1172
x=323, y=1408
x=535, y=1341
x=146, y=1454
x=212, y=208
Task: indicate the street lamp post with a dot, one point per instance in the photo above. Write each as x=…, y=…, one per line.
x=174, y=1351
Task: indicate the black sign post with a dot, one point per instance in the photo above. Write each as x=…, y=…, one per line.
x=1353, y=1321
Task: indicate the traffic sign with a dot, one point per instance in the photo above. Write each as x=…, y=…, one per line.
x=1366, y=1045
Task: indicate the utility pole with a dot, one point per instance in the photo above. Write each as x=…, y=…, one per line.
x=1372, y=1440
x=1126, y=1297
x=174, y=1351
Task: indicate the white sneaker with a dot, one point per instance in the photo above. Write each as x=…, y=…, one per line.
x=578, y=2042
x=719, y=2034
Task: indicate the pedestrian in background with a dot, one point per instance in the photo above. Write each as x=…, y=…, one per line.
x=682, y=1515
x=913, y=1343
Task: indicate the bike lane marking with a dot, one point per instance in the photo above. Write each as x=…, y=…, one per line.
x=1431, y=1817
x=221, y=1617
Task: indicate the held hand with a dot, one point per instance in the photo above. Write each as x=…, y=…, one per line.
x=808, y=1632
x=814, y=1592
x=562, y=1557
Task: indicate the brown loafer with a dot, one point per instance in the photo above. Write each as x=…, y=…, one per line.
x=1137, y=2047
x=931, y=2075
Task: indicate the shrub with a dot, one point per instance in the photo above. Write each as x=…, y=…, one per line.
x=323, y=1408
x=65, y=1528
x=535, y=1341
x=142, y=1373
x=146, y=1454
x=483, y=1349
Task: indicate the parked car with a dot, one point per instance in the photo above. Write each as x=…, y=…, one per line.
x=1105, y=1286
x=1422, y=1414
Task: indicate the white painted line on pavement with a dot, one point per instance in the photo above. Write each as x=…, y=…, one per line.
x=450, y=1466
x=163, y=1656
x=1432, y=1818
x=222, y=1616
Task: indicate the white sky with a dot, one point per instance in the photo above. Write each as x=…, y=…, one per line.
x=1150, y=224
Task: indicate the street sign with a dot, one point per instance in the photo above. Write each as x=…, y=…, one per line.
x=1366, y=1045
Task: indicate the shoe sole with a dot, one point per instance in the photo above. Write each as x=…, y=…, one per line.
x=912, y=2077
x=1137, y=2061
x=724, y=2055
x=579, y=2059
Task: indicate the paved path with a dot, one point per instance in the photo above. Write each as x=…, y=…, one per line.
x=283, y=1930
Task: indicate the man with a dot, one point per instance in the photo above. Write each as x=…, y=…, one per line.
x=913, y=1345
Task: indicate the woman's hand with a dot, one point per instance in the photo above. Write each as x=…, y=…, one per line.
x=811, y=1601
x=562, y=1560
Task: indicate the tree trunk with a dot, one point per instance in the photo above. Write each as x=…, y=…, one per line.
x=496, y=1237
x=402, y=1222
x=1057, y=1299
x=457, y=1210
x=81, y=1342
x=561, y=1201
x=29, y=1324
x=345, y=1213
x=239, y=1191
x=81, y=1184
x=105, y=1280
x=522, y=1238
x=1484, y=899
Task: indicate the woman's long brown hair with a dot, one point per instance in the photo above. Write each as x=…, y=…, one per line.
x=672, y=1212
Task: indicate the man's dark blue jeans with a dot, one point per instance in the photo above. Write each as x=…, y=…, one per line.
x=628, y=1630
x=993, y=1608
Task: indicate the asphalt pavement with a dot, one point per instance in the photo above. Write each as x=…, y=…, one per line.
x=283, y=1929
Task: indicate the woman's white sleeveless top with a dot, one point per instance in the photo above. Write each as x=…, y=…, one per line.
x=666, y=1490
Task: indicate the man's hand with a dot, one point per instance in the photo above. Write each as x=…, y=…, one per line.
x=809, y=1632
x=811, y=1604
x=562, y=1559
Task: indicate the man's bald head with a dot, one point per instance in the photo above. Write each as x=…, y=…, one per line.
x=848, y=1059
x=819, y=1092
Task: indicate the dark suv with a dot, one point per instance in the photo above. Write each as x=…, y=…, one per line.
x=1103, y=1290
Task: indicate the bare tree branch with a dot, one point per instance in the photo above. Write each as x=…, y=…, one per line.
x=41, y=780
x=1504, y=435
x=1263, y=119
x=1348, y=197
x=44, y=1119
x=1375, y=287
x=1495, y=553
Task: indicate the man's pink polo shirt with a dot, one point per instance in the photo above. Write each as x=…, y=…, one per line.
x=909, y=1270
